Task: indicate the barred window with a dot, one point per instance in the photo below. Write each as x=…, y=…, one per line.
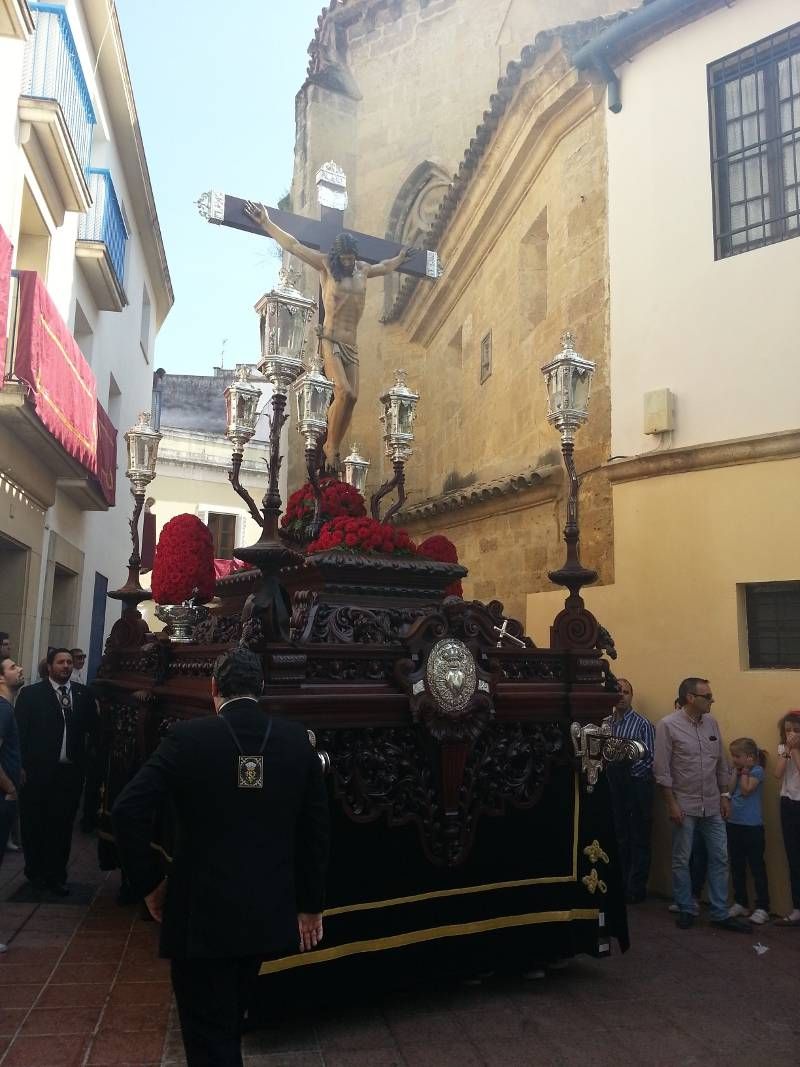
x=754, y=101
x=773, y=624
x=486, y=357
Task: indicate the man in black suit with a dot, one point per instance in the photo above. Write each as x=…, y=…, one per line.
x=57, y=719
x=247, y=878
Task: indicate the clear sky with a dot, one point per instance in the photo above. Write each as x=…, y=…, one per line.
x=215, y=87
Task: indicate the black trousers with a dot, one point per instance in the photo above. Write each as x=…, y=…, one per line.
x=8, y=814
x=790, y=824
x=746, y=849
x=212, y=997
x=632, y=802
x=47, y=813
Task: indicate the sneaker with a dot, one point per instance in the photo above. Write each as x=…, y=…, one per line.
x=738, y=911
x=759, y=917
x=685, y=920
x=673, y=908
x=11, y=847
x=534, y=974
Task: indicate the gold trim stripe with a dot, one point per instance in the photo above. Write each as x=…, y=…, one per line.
x=73, y=429
x=435, y=933
x=43, y=322
x=461, y=891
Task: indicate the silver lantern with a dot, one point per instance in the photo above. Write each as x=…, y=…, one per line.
x=399, y=407
x=568, y=378
x=241, y=408
x=285, y=317
x=355, y=469
x=313, y=393
x=142, y=442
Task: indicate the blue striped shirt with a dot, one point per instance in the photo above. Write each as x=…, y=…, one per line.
x=635, y=727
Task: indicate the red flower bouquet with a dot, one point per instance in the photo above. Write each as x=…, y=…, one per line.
x=184, y=561
x=363, y=535
x=442, y=550
x=339, y=500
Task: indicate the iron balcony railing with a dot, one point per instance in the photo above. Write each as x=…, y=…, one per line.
x=104, y=220
x=53, y=71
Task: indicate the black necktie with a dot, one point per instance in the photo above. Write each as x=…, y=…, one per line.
x=66, y=708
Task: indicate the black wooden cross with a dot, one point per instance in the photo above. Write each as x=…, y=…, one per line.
x=224, y=210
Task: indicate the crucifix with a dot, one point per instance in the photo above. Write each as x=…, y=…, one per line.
x=345, y=260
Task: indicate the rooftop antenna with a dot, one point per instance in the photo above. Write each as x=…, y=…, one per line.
x=222, y=354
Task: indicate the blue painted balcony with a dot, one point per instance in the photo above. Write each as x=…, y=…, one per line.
x=55, y=112
x=100, y=248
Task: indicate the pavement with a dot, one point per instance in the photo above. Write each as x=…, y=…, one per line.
x=81, y=984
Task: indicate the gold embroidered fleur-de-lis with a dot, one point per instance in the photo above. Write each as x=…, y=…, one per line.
x=593, y=882
x=595, y=852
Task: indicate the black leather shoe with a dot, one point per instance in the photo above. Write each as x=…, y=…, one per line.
x=685, y=920
x=57, y=889
x=736, y=925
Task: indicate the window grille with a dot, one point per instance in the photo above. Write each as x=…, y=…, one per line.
x=773, y=624
x=754, y=104
x=486, y=357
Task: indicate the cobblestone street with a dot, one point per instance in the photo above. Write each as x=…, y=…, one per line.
x=81, y=984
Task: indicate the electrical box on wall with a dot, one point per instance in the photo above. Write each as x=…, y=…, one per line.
x=659, y=411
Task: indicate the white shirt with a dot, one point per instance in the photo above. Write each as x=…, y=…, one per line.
x=57, y=686
x=790, y=786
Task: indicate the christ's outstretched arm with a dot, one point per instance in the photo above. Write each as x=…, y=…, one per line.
x=259, y=214
x=386, y=266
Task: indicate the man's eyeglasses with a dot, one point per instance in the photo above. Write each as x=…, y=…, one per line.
x=703, y=696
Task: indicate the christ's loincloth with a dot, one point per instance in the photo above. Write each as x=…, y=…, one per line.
x=348, y=354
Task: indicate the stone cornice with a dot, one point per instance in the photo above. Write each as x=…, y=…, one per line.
x=532, y=486
x=762, y=449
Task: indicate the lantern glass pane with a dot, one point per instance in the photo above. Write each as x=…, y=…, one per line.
x=291, y=329
x=581, y=384
x=405, y=417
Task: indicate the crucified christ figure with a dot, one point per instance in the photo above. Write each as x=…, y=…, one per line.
x=343, y=278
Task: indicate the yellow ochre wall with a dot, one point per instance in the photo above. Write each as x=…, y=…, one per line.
x=683, y=545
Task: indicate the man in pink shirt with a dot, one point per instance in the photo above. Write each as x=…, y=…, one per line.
x=691, y=768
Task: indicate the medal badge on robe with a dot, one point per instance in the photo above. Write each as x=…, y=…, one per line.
x=251, y=772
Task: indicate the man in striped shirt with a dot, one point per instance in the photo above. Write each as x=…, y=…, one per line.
x=631, y=788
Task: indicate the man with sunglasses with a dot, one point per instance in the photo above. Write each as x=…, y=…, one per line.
x=692, y=770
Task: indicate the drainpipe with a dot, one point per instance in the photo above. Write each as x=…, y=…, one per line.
x=598, y=52
x=37, y=630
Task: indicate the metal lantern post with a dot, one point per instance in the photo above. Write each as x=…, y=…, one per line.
x=241, y=416
x=399, y=410
x=355, y=469
x=568, y=379
x=142, y=442
x=285, y=315
x=313, y=394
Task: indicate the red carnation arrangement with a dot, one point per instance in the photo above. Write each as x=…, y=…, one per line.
x=442, y=550
x=339, y=500
x=363, y=535
x=184, y=561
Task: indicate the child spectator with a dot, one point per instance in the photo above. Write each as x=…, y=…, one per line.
x=745, y=828
x=787, y=771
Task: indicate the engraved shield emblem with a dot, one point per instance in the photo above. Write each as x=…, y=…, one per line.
x=450, y=675
x=251, y=772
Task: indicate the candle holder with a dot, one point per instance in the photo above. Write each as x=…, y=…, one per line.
x=399, y=410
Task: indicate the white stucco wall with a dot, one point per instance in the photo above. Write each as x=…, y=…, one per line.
x=103, y=537
x=723, y=335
